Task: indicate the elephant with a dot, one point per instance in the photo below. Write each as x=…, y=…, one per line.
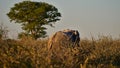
x=63, y=36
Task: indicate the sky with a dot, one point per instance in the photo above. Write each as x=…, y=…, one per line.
x=89, y=17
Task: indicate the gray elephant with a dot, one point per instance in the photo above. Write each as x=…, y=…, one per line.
x=61, y=37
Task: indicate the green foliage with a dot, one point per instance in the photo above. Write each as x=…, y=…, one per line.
x=30, y=53
x=33, y=16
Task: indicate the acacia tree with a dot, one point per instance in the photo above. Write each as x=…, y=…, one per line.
x=33, y=16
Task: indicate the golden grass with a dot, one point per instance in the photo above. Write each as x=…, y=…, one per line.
x=28, y=53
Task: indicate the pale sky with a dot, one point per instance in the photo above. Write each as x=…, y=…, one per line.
x=89, y=17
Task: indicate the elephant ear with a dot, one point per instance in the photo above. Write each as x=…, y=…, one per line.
x=51, y=41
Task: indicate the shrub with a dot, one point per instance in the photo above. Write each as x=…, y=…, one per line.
x=29, y=53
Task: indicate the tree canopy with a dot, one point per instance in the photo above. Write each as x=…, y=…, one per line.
x=33, y=16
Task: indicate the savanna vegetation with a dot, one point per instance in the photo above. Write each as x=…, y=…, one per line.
x=33, y=16
x=29, y=53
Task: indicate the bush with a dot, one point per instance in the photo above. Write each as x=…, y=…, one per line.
x=29, y=53
x=3, y=31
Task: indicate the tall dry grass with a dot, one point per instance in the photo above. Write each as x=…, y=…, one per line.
x=29, y=53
